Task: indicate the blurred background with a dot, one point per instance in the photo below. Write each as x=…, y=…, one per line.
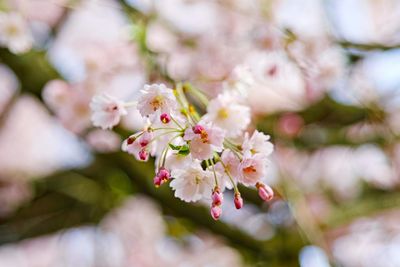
x=328, y=93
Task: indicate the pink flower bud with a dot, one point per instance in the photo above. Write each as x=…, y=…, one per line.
x=165, y=118
x=265, y=192
x=216, y=212
x=238, y=201
x=131, y=140
x=143, y=143
x=143, y=155
x=163, y=174
x=157, y=181
x=145, y=139
x=198, y=129
x=217, y=197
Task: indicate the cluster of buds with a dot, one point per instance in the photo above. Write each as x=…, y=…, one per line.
x=202, y=155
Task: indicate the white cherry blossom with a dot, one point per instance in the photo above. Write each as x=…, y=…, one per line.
x=257, y=143
x=107, y=111
x=226, y=112
x=155, y=100
x=205, y=139
x=252, y=169
x=192, y=183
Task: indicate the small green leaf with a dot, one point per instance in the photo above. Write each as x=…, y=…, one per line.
x=173, y=147
x=184, y=150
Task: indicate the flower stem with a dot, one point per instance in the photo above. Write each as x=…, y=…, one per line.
x=215, y=174
x=228, y=173
x=197, y=93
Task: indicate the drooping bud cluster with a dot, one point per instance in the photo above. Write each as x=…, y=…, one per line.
x=217, y=198
x=162, y=176
x=201, y=155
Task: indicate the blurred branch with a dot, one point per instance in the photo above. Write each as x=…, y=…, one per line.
x=368, y=47
x=368, y=204
x=32, y=69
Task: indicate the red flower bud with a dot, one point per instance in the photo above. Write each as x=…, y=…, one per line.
x=198, y=129
x=143, y=155
x=157, y=181
x=163, y=174
x=265, y=192
x=217, y=197
x=165, y=118
x=216, y=212
x=238, y=201
x=130, y=140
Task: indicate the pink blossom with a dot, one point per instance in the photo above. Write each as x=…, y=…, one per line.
x=192, y=183
x=251, y=169
x=107, y=111
x=156, y=99
x=226, y=112
x=258, y=143
x=204, y=140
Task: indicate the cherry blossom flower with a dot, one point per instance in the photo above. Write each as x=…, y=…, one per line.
x=70, y=103
x=192, y=183
x=14, y=33
x=226, y=112
x=277, y=79
x=257, y=143
x=204, y=140
x=156, y=99
x=107, y=111
x=174, y=160
x=251, y=169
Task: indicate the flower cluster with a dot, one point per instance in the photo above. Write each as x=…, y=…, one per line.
x=201, y=155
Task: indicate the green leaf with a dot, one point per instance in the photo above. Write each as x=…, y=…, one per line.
x=184, y=150
x=173, y=147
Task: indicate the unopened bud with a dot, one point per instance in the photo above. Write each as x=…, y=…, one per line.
x=165, y=118
x=265, y=192
x=163, y=174
x=143, y=155
x=145, y=138
x=198, y=129
x=157, y=181
x=131, y=140
x=217, y=197
x=216, y=212
x=238, y=201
